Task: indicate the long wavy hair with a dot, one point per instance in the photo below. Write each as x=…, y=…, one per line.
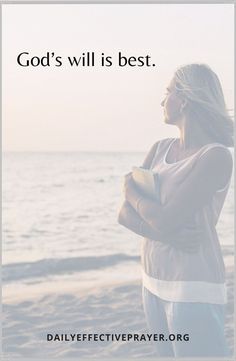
x=205, y=103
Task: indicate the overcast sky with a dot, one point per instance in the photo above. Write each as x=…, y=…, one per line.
x=104, y=108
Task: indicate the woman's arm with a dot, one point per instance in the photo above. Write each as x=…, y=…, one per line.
x=212, y=171
x=149, y=158
x=129, y=218
x=187, y=240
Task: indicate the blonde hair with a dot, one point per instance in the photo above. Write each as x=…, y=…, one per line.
x=201, y=88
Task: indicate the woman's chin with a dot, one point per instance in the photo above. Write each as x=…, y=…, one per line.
x=167, y=120
x=170, y=121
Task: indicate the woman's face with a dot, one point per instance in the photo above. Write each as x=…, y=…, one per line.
x=172, y=105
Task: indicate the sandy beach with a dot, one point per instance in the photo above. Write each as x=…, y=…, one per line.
x=113, y=308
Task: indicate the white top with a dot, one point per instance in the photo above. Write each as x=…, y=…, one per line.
x=172, y=273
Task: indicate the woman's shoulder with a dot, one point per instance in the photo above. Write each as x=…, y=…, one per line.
x=216, y=160
x=158, y=144
x=163, y=141
x=152, y=151
x=216, y=151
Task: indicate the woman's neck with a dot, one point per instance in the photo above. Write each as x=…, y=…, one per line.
x=193, y=137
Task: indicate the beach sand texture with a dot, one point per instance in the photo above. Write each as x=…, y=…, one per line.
x=110, y=309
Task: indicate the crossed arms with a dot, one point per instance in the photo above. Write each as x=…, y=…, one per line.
x=211, y=172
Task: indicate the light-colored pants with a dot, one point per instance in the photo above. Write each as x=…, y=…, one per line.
x=203, y=322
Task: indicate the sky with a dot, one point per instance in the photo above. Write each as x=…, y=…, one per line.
x=104, y=108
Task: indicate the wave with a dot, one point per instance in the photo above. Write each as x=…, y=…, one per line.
x=53, y=266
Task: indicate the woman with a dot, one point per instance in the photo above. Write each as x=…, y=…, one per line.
x=183, y=270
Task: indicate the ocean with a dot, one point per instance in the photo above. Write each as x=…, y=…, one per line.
x=60, y=219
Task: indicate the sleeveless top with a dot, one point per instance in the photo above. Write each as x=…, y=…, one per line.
x=172, y=273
